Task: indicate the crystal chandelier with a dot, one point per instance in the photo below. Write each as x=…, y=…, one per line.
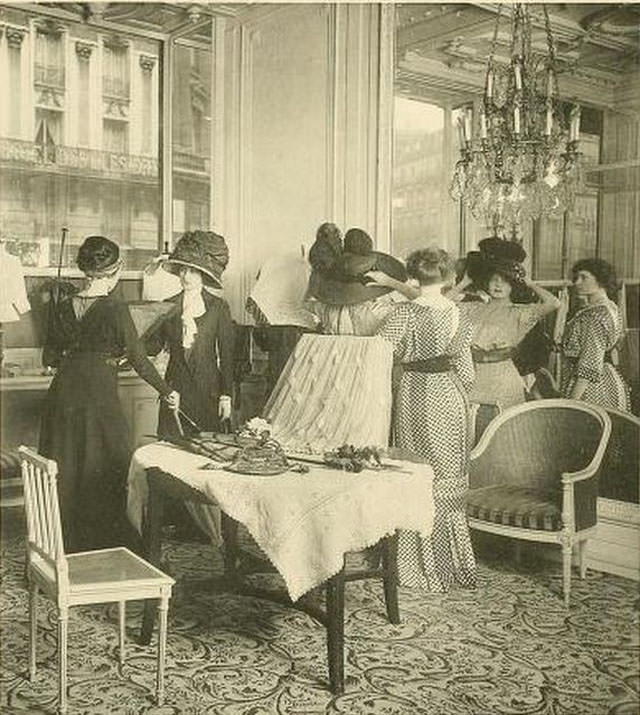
x=522, y=161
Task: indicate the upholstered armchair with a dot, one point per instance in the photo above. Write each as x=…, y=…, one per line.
x=534, y=475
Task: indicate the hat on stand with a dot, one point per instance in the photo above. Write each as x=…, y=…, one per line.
x=205, y=251
x=342, y=281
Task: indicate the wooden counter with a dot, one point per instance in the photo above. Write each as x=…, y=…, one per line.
x=23, y=395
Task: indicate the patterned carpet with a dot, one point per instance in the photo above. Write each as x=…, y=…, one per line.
x=508, y=648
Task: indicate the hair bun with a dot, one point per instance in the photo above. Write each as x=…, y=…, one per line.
x=97, y=256
x=429, y=264
x=432, y=256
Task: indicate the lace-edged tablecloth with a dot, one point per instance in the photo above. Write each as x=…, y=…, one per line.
x=304, y=523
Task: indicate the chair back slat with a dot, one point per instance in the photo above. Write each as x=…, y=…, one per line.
x=27, y=491
x=44, y=529
x=42, y=508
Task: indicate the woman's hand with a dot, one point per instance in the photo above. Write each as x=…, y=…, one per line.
x=546, y=297
x=173, y=400
x=380, y=278
x=224, y=407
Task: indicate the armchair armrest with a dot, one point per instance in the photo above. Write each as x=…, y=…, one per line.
x=594, y=466
x=580, y=498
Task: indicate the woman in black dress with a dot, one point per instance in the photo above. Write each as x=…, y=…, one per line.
x=198, y=336
x=83, y=427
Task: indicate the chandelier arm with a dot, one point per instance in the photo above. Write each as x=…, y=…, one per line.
x=551, y=48
x=494, y=42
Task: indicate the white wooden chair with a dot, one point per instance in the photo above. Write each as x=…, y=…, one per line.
x=104, y=576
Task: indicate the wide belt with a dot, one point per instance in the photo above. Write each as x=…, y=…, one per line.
x=440, y=363
x=105, y=357
x=495, y=355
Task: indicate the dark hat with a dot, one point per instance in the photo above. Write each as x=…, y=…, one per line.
x=496, y=255
x=344, y=283
x=358, y=256
x=205, y=251
x=498, y=249
x=98, y=257
x=327, y=247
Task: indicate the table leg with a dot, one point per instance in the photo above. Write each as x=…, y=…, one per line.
x=152, y=544
x=229, y=528
x=390, y=577
x=335, y=632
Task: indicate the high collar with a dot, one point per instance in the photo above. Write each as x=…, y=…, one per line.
x=431, y=295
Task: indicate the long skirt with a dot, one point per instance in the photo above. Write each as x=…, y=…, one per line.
x=432, y=420
x=84, y=430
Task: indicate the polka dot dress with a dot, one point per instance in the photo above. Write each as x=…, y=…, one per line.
x=593, y=331
x=431, y=418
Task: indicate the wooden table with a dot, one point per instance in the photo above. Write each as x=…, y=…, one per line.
x=163, y=486
x=404, y=493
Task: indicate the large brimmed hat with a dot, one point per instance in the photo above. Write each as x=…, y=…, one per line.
x=343, y=282
x=205, y=251
x=496, y=255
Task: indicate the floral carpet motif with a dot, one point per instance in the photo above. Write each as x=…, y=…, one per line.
x=507, y=648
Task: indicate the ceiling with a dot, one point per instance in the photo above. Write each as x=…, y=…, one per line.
x=441, y=49
x=154, y=19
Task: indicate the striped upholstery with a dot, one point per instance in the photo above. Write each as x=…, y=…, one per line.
x=514, y=505
x=10, y=478
x=9, y=463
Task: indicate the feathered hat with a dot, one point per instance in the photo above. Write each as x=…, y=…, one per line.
x=205, y=251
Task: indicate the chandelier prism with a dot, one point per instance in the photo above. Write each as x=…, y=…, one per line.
x=522, y=161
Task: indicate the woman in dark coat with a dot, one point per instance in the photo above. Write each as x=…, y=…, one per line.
x=198, y=336
x=83, y=427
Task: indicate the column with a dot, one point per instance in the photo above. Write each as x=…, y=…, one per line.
x=83, y=58
x=147, y=63
x=15, y=36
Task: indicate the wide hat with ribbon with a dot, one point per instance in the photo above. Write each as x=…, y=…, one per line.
x=343, y=281
x=205, y=251
x=496, y=255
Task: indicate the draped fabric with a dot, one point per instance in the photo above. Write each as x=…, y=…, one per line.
x=192, y=307
x=333, y=389
x=303, y=523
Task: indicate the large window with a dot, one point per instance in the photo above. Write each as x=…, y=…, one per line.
x=426, y=148
x=82, y=152
x=559, y=242
x=422, y=211
x=191, y=137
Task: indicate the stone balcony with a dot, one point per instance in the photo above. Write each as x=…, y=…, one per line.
x=96, y=163
x=77, y=160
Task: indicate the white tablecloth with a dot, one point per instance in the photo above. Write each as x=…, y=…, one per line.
x=304, y=523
